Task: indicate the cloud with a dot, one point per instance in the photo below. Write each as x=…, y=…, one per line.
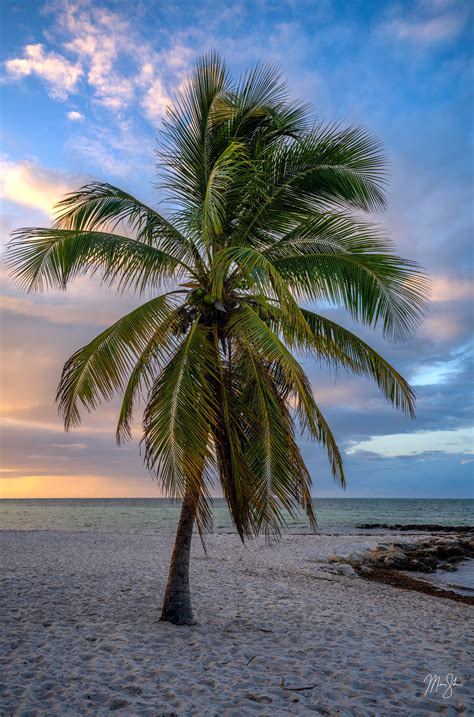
x=110, y=53
x=117, y=148
x=445, y=327
x=121, y=71
x=460, y=440
x=60, y=312
x=69, y=446
x=448, y=289
x=422, y=27
x=444, y=371
x=155, y=100
x=27, y=183
x=60, y=75
x=119, y=65
x=434, y=30
x=75, y=116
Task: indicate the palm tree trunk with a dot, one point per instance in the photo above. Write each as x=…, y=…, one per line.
x=177, y=603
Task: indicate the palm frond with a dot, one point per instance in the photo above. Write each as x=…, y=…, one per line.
x=374, y=288
x=327, y=169
x=229, y=436
x=223, y=181
x=177, y=445
x=236, y=263
x=340, y=347
x=101, y=368
x=246, y=323
x=186, y=153
x=281, y=480
x=147, y=366
x=100, y=206
x=49, y=258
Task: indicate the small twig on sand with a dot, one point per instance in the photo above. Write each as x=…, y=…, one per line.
x=296, y=689
x=264, y=629
x=252, y=658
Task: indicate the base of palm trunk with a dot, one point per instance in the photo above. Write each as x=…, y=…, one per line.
x=177, y=607
x=178, y=615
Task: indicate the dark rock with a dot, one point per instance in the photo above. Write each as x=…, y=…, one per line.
x=419, y=566
x=408, y=547
x=454, y=551
x=430, y=562
x=396, y=562
x=425, y=527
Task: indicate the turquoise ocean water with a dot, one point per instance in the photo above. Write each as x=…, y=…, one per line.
x=335, y=515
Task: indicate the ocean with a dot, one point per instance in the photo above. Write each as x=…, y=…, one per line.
x=335, y=515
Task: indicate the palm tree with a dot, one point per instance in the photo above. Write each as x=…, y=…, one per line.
x=261, y=219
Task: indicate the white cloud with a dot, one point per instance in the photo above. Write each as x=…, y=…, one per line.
x=432, y=30
x=155, y=100
x=60, y=75
x=121, y=72
x=102, y=40
x=112, y=56
x=75, y=116
x=98, y=37
x=460, y=440
x=49, y=427
x=70, y=446
x=27, y=183
x=431, y=22
x=433, y=374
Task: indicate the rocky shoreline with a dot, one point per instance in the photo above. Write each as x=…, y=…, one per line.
x=385, y=562
x=422, y=527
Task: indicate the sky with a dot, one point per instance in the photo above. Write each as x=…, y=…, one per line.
x=84, y=88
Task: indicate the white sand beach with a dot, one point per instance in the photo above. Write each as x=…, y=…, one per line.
x=81, y=634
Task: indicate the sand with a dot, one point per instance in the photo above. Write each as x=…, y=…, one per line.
x=81, y=635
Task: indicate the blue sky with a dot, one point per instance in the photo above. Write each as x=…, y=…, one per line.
x=84, y=89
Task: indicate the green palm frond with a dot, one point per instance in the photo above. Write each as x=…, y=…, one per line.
x=246, y=323
x=374, y=288
x=187, y=138
x=229, y=435
x=43, y=259
x=280, y=476
x=177, y=445
x=100, y=206
x=327, y=169
x=223, y=181
x=340, y=347
x=100, y=369
x=147, y=367
x=237, y=263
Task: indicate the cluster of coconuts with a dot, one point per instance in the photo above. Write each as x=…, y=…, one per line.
x=200, y=295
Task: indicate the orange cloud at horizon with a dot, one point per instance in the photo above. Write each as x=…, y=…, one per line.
x=74, y=486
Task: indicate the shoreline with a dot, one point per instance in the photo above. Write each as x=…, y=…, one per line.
x=402, y=581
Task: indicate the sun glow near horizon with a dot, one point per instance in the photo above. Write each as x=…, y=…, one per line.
x=73, y=486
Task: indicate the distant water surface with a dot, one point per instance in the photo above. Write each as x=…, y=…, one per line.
x=335, y=515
